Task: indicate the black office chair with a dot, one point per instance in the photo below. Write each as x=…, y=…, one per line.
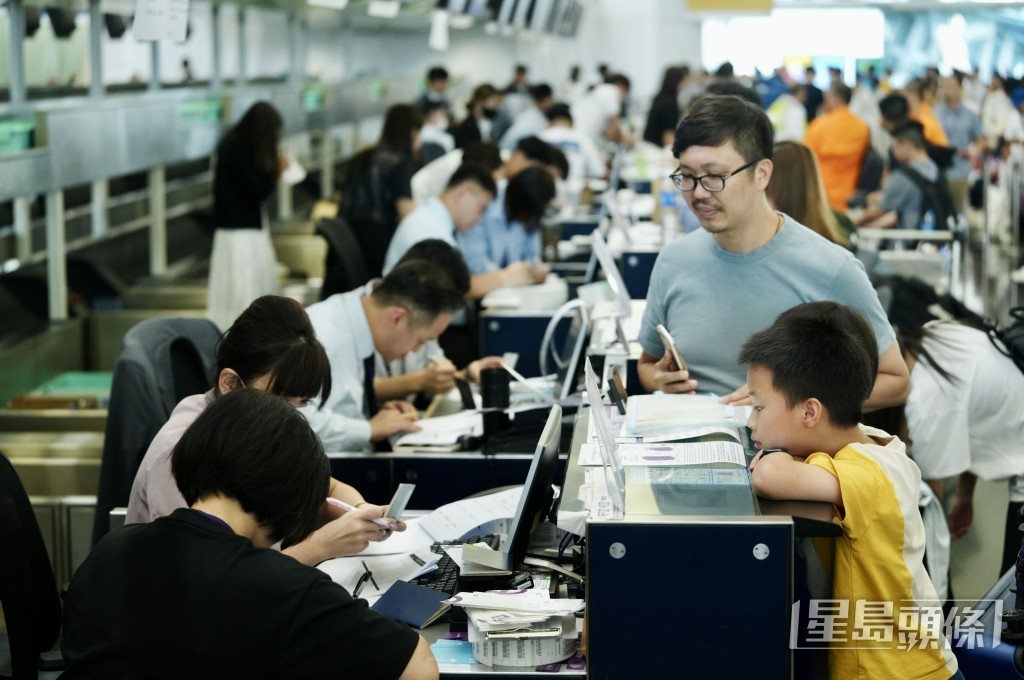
x=162, y=361
x=28, y=589
x=345, y=268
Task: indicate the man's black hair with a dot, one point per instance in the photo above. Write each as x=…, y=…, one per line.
x=475, y=173
x=437, y=73
x=423, y=288
x=714, y=120
x=446, y=256
x=255, y=448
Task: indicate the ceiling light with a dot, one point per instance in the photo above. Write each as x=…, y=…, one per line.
x=329, y=4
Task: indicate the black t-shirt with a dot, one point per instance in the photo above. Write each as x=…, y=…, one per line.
x=185, y=597
x=239, y=187
x=373, y=183
x=664, y=115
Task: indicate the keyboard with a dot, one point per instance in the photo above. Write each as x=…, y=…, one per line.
x=446, y=577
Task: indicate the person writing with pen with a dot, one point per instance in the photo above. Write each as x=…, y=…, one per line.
x=270, y=347
x=197, y=593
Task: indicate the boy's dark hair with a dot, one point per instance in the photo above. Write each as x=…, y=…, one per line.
x=910, y=131
x=255, y=448
x=823, y=350
x=527, y=196
x=437, y=73
x=714, y=120
x=274, y=337
x=475, y=173
x=484, y=152
x=423, y=288
x=447, y=257
x=621, y=80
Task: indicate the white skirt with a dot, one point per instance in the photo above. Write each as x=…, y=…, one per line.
x=243, y=267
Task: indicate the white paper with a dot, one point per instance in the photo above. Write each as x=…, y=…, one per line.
x=293, y=172
x=443, y=430
x=686, y=476
x=659, y=414
x=386, y=569
x=688, y=453
x=467, y=568
x=594, y=494
x=461, y=517
x=160, y=20
x=534, y=601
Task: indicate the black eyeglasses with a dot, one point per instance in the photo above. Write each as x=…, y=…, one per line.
x=712, y=183
x=367, y=576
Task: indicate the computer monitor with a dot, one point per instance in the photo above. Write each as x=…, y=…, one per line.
x=601, y=257
x=573, y=354
x=537, y=493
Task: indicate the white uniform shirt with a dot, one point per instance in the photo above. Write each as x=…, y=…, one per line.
x=975, y=423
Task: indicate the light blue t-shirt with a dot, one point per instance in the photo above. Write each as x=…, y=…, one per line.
x=429, y=220
x=494, y=243
x=712, y=300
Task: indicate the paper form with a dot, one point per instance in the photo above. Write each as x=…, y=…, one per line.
x=666, y=414
x=454, y=520
x=346, y=571
x=443, y=431
x=687, y=453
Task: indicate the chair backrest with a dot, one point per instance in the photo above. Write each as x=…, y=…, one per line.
x=345, y=268
x=28, y=590
x=162, y=361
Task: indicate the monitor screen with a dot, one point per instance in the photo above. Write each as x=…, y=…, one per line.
x=537, y=494
x=574, y=352
x=602, y=257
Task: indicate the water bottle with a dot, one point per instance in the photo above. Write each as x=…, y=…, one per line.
x=928, y=221
x=669, y=214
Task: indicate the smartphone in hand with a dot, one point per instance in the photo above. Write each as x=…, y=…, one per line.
x=398, y=502
x=670, y=347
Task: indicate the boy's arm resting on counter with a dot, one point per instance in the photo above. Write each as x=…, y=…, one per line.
x=778, y=476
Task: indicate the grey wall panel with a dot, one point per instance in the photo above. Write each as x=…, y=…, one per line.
x=86, y=144
x=24, y=174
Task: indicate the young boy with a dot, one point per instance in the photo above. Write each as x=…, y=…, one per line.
x=809, y=374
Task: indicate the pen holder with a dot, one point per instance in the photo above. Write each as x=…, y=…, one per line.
x=494, y=392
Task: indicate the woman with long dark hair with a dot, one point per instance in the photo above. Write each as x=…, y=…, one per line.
x=376, y=188
x=243, y=265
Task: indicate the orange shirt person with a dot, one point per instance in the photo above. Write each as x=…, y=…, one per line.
x=920, y=109
x=839, y=139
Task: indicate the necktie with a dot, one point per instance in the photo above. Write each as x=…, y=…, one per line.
x=369, y=396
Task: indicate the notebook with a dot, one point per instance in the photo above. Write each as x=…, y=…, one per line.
x=416, y=605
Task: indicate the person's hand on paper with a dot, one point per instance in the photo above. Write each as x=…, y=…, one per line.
x=738, y=397
x=517, y=274
x=473, y=370
x=438, y=377
x=671, y=381
x=346, y=535
x=392, y=420
x=401, y=406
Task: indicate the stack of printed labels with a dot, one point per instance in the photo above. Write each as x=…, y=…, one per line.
x=519, y=627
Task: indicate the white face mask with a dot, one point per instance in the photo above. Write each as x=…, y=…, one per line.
x=442, y=123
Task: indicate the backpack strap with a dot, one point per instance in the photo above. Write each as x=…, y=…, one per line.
x=935, y=196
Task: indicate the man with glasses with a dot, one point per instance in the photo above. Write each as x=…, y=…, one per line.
x=713, y=288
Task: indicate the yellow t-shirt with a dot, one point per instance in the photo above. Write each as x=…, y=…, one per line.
x=886, y=620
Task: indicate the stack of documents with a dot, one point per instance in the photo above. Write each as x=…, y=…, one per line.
x=512, y=610
x=667, y=417
x=442, y=432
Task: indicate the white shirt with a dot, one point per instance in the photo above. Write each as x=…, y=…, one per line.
x=592, y=112
x=433, y=177
x=584, y=158
x=435, y=135
x=975, y=423
x=341, y=326
x=154, y=491
x=430, y=219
